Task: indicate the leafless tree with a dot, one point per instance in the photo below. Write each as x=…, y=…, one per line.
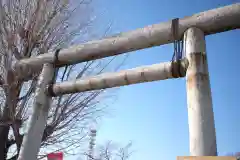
x=111, y=151
x=33, y=27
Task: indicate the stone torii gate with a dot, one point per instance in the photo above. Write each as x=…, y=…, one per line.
x=194, y=66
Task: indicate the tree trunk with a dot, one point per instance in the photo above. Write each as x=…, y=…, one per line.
x=12, y=92
x=4, y=130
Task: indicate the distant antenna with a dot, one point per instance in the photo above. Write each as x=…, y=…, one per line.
x=92, y=135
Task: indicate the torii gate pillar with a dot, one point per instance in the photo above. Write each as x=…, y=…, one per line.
x=200, y=112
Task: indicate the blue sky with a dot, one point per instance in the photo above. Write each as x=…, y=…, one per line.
x=154, y=115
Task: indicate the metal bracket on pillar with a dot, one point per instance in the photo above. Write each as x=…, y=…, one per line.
x=36, y=125
x=200, y=111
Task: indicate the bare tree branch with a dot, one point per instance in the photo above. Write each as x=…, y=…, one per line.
x=32, y=27
x=110, y=151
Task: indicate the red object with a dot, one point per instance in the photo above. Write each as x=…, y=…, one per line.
x=55, y=156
